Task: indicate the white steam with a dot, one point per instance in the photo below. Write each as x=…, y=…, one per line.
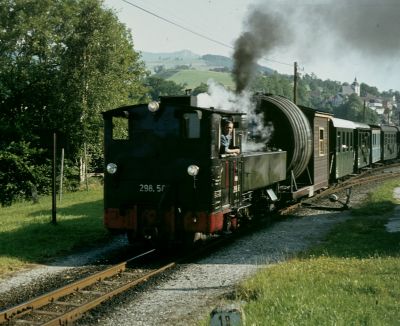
x=220, y=98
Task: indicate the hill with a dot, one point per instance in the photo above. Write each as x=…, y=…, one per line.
x=157, y=61
x=193, y=78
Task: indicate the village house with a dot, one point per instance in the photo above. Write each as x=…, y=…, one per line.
x=386, y=108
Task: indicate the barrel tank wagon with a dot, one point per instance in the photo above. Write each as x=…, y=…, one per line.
x=304, y=134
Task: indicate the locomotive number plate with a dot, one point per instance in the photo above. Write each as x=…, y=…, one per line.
x=151, y=187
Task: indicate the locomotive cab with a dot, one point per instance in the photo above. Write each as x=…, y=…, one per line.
x=159, y=163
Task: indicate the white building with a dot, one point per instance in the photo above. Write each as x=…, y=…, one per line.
x=376, y=105
x=354, y=88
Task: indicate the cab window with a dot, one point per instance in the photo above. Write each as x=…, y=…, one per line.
x=322, y=142
x=191, y=125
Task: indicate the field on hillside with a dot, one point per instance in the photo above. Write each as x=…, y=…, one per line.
x=193, y=78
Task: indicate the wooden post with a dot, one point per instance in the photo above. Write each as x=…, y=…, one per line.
x=54, y=207
x=86, y=166
x=61, y=173
x=364, y=108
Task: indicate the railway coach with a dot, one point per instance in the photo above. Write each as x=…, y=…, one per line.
x=363, y=146
x=342, y=148
x=389, y=145
x=376, y=152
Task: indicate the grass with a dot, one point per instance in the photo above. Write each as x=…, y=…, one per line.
x=352, y=278
x=325, y=291
x=27, y=235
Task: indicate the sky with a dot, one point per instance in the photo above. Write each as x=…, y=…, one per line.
x=333, y=39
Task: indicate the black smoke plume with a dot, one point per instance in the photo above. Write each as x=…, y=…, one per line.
x=317, y=29
x=263, y=32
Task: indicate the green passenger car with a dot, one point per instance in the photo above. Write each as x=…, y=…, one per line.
x=342, y=150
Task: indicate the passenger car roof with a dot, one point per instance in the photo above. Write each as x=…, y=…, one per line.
x=341, y=123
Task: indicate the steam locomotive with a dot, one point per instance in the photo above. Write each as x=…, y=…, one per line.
x=166, y=180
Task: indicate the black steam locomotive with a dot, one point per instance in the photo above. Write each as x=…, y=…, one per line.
x=167, y=181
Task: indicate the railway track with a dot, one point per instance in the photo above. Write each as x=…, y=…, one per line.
x=67, y=304
x=368, y=176
x=64, y=305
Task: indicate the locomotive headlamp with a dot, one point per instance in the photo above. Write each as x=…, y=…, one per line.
x=153, y=106
x=111, y=168
x=193, y=170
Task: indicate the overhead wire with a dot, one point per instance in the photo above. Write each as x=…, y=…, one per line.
x=193, y=31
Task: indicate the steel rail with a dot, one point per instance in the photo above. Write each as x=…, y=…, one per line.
x=78, y=311
x=366, y=177
x=31, y=307
x=52, y=297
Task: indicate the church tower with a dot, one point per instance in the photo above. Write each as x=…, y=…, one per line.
x=356, y=87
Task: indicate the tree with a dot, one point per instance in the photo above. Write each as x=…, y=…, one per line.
x=20, y=172
x=273, y=84
x=202, y=88
x=353, y=109
x=368, y=90
x=303, y=93
x=61, y=64
x=100, y=70
x=29, y=66
x=161, y=87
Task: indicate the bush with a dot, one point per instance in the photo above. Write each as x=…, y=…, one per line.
x=23, y=173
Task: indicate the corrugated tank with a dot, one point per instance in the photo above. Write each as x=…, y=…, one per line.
x=292, y=131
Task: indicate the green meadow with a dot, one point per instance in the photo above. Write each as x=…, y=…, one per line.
x=27, y=235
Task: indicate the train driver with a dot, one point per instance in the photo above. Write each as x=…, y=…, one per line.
x=226, y=139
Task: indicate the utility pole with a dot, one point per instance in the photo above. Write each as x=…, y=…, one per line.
x=364, y=108
x=295, y=84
